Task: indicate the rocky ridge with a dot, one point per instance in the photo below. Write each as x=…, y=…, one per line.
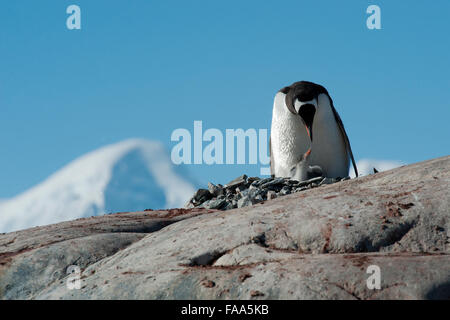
x=314, y=244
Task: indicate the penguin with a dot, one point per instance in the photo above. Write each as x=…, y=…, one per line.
x=306, y=132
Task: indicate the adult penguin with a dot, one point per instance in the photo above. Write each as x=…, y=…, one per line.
x=304, y=121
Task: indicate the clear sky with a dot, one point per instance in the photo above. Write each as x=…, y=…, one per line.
x=144, y=68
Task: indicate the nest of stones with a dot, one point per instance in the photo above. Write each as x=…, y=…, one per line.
x=245, y=191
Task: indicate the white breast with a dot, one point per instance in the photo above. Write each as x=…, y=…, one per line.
x=328, y=147
x=289, y=139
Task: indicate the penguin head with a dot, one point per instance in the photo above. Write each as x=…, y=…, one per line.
x=302, y=99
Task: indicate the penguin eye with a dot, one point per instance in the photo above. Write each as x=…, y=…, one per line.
x=304, y=96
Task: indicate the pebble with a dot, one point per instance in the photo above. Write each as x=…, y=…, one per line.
x=243, y=202
x=236, y=182
x=246, y=191
x=274, y=183
x=271, y=195
x=285, y=190
x=215, y=190
x=214, y=204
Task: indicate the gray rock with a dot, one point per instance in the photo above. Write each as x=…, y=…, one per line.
x=244, y=201
x=215, y=190
x=260, y=182
x=299, y=189
x=200, y=196
x=230, y=205
x=327, y=181
x=257, y=199
x=285, y=190
x=316, y=244
x=312, y=181
x=273, y=183
x=239, y=181
x=32, y=259
x=252, y=193
x=271, y=195
x=245, y=192
x=250, y=180
x=215, y=204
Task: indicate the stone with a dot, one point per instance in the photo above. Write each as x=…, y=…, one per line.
x=236, y=182
x=285, y=190
x=201, y=196
x=271, y=195
x=301, y=189
x=273, y=183
x=252, y=179
x=261, y=182
x=327, y=181
x=230, y=205
x=215, y=204
x=257, y=199
x=245, y=192
x=215, y=190
x=244, y=201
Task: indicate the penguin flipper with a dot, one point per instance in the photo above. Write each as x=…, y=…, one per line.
x=344, y=134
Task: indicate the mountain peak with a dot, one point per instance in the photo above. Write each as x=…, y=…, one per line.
x=134, y=174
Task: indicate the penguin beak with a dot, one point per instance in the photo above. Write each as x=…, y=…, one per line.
x=309, y=131
x=307, y=112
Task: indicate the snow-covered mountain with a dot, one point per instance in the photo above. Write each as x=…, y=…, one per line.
x=130, y=175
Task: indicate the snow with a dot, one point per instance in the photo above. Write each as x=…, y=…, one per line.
x=135, y=174
x=365, y=166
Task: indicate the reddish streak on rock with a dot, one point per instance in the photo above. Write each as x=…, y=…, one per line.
x=357, y=260
x=133, y=272
x=327, y=235
x=208, y=283
x=406, y=205
x=279, y=210
x=244, y=277
x=256, y=293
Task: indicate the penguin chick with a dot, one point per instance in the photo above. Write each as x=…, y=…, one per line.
x=303, y=171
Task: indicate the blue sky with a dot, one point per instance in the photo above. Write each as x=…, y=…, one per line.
x=144, y=68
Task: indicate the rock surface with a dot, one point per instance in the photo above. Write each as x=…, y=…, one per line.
x=314, y=244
